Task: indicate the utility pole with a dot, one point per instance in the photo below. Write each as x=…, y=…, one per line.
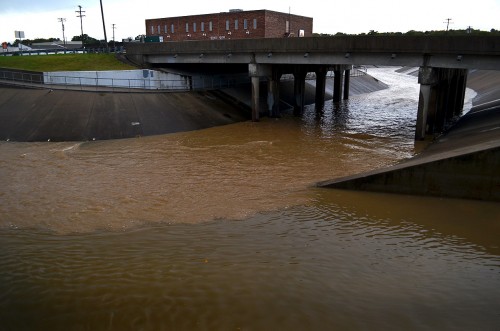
x=104, y=28
x=447, y=23
x=62, y=20
x=80, y=15
x=114, y=45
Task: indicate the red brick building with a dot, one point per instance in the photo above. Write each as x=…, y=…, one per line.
x=235, y=24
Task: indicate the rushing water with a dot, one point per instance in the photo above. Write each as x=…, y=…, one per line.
x=223, y=229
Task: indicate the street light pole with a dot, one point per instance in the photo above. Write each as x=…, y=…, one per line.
x=104, y=28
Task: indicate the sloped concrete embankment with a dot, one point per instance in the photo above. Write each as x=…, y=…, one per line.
x=30, y=113
x=42, y=114
x=463, y=163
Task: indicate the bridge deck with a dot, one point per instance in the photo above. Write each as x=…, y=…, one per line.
x=465, y=52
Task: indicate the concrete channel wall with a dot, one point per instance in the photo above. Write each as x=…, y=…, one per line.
x=464, y=163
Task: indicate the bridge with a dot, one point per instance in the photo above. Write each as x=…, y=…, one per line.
x=444, y=62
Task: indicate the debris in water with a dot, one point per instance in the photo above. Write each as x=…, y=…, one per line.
x=135, y=123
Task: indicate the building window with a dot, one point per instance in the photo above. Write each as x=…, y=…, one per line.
x=245, y=24
x=202, y=27
x=254, y=23
x=166, y=28
x=210, y=26
x=152, y=29
x=172, y=28
x=159, y=30
x=236, y=24
x=227, y=25
x=194, y=27
x=287, y=27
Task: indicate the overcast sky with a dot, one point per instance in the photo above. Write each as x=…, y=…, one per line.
x=39, y=18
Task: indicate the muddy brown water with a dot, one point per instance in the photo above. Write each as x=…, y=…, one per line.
x=223, y=229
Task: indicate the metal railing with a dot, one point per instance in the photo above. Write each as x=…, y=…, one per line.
x=118, y=84
x=22, y=76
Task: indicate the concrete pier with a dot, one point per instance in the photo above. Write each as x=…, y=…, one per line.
x=299, y=90
x=255, y=98
x=441, y=98
x=272, y=73
x=320, y=86
x=337, y=83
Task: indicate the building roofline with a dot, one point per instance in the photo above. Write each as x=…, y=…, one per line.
x=227, y=12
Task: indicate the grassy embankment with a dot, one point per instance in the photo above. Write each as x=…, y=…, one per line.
x=64, y=62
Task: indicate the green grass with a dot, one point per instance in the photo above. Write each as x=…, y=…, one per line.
x=64, y=62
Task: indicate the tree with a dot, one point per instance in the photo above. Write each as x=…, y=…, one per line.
x=86, y=39
x=32, y=41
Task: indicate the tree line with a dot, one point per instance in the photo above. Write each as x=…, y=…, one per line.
x=468, y=32
x=87, y=41
x=93, y=42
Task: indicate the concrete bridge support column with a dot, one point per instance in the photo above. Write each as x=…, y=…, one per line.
x=299, y=77
x=452, y=85
x=341, y=82
x=442, y=93
x=453, y=101
x=428, y=79
x=337, y=83
x=255, y=71
x=320, y=86
x=255, y=98
x=273, y=93
x=347, y=82
x=461, y=81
